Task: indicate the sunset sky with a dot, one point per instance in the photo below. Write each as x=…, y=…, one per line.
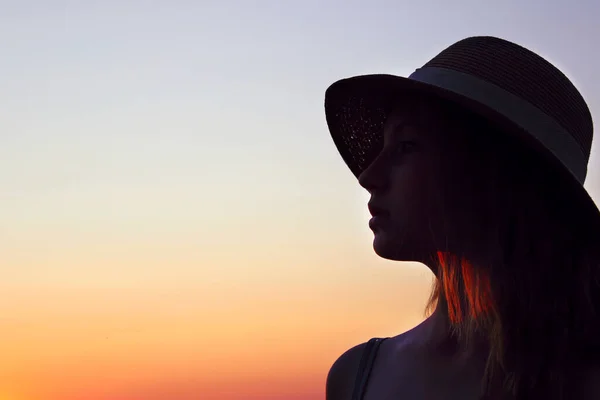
x=176, y=222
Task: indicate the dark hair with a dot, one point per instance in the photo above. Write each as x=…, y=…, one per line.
x=520, y=266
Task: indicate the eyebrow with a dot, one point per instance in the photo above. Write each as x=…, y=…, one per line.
x=401, y=127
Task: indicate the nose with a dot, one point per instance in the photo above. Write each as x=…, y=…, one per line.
x=375, y=176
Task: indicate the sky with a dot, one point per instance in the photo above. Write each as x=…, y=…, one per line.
x=175, y=221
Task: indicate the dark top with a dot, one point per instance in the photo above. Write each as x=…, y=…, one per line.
x=364, y=368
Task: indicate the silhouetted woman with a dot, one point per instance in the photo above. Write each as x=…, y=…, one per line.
x=475, y=165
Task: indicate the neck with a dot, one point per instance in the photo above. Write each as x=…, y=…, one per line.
x=435, y=331
x=440, y=336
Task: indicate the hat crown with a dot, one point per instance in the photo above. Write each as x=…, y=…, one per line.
x=524, y=74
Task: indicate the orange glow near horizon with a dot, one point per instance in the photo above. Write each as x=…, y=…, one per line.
x=168, y=340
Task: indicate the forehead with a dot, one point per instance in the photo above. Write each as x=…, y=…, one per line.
x=420, y=114
x=401, y=113
x=434, y=123
x=419, y=105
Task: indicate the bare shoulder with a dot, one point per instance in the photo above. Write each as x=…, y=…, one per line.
x=341, y=376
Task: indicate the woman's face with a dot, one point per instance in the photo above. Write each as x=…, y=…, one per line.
x=402, y=180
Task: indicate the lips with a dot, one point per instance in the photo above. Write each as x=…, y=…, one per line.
x=377, y=211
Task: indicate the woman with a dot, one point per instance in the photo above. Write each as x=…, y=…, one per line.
x=475, y=165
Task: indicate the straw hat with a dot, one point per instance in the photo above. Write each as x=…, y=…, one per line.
x=499, y=80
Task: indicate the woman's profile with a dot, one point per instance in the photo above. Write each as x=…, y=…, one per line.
x=475, y=166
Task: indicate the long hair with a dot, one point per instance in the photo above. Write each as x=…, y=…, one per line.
x=520, y=263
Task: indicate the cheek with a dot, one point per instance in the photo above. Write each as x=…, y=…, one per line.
x=410, y=194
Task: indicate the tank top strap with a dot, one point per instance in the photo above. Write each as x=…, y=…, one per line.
x=364, y=368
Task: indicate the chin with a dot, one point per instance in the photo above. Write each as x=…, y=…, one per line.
x=396, y=250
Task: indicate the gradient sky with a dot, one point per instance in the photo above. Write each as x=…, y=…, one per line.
x=176, y=222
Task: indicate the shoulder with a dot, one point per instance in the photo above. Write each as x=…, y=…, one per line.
x=341, y=376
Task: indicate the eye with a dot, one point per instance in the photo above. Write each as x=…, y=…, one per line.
x=403, y=147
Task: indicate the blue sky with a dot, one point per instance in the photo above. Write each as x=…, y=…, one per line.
x=203, y=120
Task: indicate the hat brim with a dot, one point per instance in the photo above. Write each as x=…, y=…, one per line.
x=356, y=109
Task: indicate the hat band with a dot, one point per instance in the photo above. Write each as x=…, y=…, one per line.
x=537, y=123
